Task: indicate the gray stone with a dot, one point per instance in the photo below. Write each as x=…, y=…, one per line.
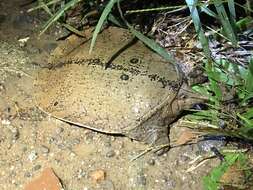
x=141, y=179
x=151, y=162
x=37, y=167
x=44, y=149
x=33, y=155
x=59, y=130
x=110, y=153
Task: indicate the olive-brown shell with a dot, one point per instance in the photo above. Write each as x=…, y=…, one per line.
x=79, y=88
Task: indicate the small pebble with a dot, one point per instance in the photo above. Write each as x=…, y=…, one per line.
x=170, y=184
x=59, y=130
x=52, y=140
x=2, y=87
x=61, y=146
x=110, y=153
x=14, y=131
x=75, y=142
x=27, y=174
x=80, y=174
x=124, y=77
x=44, y=149
x=107, y=185
x=141, y=179
x=107, y=141
x=72, y=154
x=37, y=167
x=151, y=162
x=32, y=156
x=98, y=175
x=5, y=122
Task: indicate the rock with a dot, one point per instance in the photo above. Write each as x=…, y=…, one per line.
x=137, y=176
x=74, y=142
x=37, y=167
x=33, y=156
x=151, y=162
x=141, y=179
x=206, y=145
x=80, y=174
x=47, y=181
x=110, y=153
x=98, y=175
x=27, y=174
x=44, y=149
x=106, y=185
x=23, y=41
x=14, y=130
x=59, y=130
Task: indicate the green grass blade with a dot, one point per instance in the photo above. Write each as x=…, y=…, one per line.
x=204, y=8
x=152, y=44
x=149, y=42
x=114, y=20
x=74, y=30
x=197, y=24
x=248, y=114
x=45, y=8
x=211, y=182
x=101, y=21
x=231, y=6
x=42, y=5
x=232, y=15
x=249, y=79
x=244, y=23
x=170, y=9
x=227, y=27
x=214, y=77
x=58, y=14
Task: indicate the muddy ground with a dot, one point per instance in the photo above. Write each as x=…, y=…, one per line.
x=30, y=141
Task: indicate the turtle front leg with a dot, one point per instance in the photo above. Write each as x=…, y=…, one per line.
x=156, y=136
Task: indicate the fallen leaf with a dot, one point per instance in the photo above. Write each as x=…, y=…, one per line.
x=186, y=137
x=47, y=181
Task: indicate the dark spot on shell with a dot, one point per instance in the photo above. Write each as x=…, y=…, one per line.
x=134, y=60
x=55, y=103
x=124, y=77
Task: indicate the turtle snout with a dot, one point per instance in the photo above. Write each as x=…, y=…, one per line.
x=186, y=102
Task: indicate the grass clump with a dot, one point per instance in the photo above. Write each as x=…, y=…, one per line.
x=234, y=172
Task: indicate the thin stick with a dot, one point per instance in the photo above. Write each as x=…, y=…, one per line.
x=81, y=125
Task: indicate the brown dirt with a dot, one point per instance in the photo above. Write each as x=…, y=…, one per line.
x=30, y=141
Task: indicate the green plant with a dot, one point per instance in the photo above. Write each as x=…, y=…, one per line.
x=230, y=93
x=224, y=77
x=212, y=180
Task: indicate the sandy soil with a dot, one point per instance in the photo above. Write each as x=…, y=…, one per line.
x=31, y=141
